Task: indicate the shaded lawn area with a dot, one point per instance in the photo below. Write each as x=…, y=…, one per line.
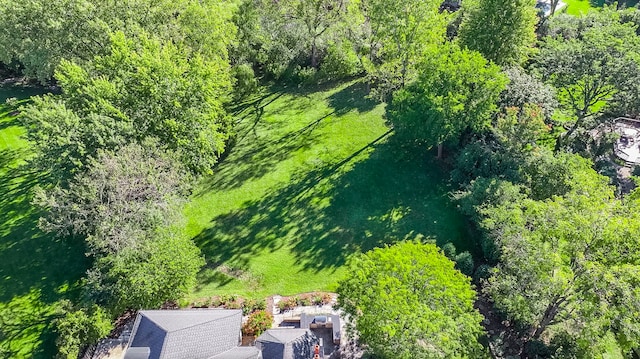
x=35, y=269
x=314, y=178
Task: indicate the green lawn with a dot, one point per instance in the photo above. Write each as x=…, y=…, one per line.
x=35, y=270
x=315, y=176
x=578, y=7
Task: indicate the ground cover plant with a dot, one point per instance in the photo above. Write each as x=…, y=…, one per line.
x=314, y=177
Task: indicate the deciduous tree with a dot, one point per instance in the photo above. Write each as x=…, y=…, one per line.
x=588, y=61
x=501, y=30
x=456, y=90
x=568, y=260
x=141, y=89
x=400, y=33
x=408, y=301
x=119, y=200
x=37, y=35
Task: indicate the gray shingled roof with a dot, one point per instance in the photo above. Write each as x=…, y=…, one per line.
x=187, y=334
x=173, y=320
x=239, y=353
x=285, y=343
x=281, y=335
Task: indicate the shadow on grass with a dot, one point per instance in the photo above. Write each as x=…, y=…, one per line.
x=257, y=155
x=352, y=97
x=33, y=265
x=326, y=215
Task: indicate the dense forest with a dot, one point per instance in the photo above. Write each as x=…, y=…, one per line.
x=144, y=101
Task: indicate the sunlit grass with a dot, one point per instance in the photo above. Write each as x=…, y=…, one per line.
x=315, y=177
x=36, y=270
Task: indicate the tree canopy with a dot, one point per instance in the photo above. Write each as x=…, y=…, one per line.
x=568, y=260
x=501, y=30
x=456, y=90
x=589, y=61
x=400, y=33
x=37, y=35
x=408, y=301
x=141, y=89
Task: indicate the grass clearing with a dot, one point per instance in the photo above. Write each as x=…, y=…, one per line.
x=580, y=7
x=315, y=177
x=36, y=270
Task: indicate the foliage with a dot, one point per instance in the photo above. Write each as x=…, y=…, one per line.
x=280, y=36
x=118, y=201
x=568, y=260
x=141, y=89
x=501, y=30
x=547, y=175
x=524, y=88
x=456, y=90
x=518, y=129
x=464, y=263
x=398, y=35
x=407, y=301
x=160, y=270
x=483, y=193
x=340, y=61
x=37, y=34
x=588, y=61
x=77, y=328
x=484, y=158
x=253, y=305
x=257, y=323
x=246, y=83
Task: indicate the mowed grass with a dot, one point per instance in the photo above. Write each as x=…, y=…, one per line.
x=578, y=7
x=315, y=177
x=36, y=270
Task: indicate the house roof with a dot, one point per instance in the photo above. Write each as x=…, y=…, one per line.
x=174, y=320
x=189, y=334
x=239, y=353
x=285, y=343
x=282, y=335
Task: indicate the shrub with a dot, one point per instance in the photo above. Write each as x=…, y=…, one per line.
x=287, y=303
x=464, y=263
x=482, y=272
x=340, y=61
x=236, y=304
x=77, y=329
x=245, y=80
x=253, y=305
x=317, y=299
x=257, y=323
x=305, y=300
x=216, y=302
x=201, y=303
x=449, y=250
x=326, y=298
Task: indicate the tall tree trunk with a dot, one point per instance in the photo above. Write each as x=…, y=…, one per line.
x=439, y=151
x=549, y=315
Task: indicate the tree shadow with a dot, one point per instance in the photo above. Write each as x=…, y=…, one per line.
x=253, y=154
x=352, y=97
x=381, y=194
x=30, y=258
x=20, y=91
x=30, y=261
